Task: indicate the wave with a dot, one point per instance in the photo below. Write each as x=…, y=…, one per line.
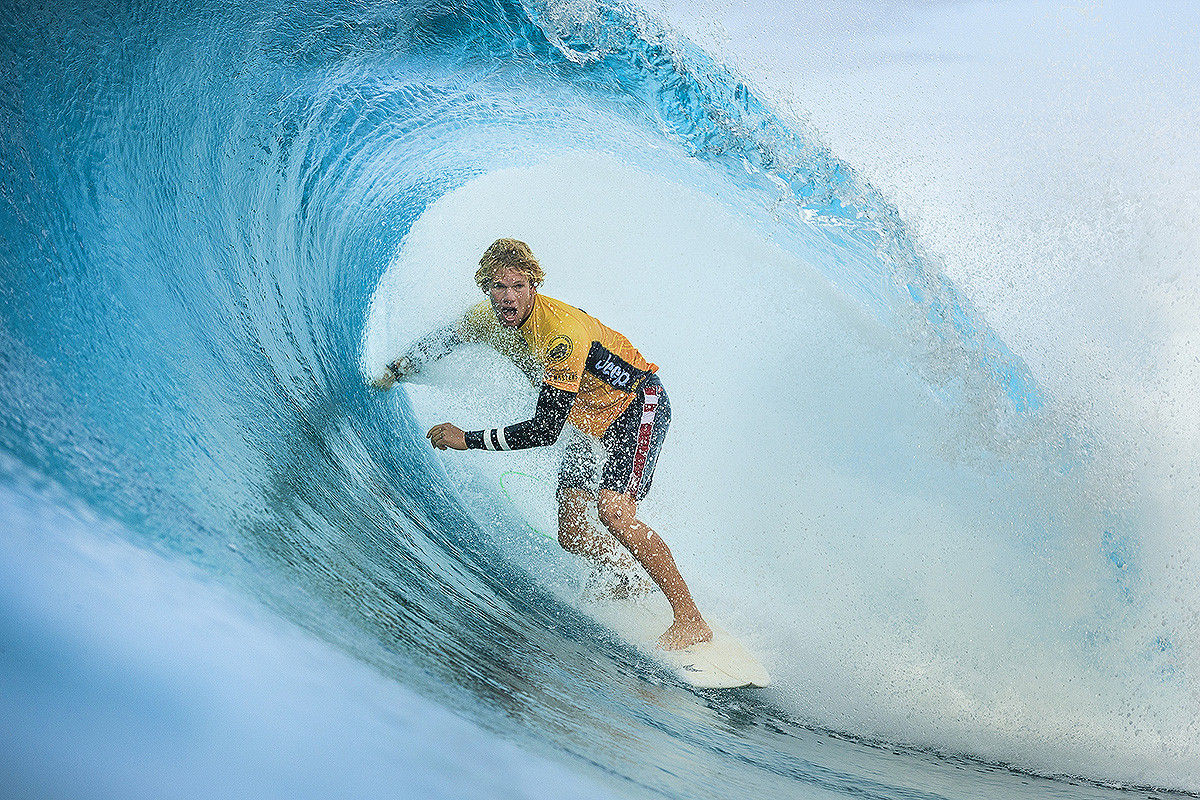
x=218, y=221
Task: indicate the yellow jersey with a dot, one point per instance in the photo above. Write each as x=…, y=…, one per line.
x=575, y=352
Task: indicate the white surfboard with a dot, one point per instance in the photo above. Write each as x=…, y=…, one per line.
x=723, y=663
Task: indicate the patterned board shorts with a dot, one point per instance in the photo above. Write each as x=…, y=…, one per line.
x=630, y=447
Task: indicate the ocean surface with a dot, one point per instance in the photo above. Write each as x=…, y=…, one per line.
x=922, y=280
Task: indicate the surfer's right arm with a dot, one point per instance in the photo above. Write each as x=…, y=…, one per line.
x=428, y=348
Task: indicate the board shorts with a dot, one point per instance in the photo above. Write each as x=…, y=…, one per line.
x=630, y=447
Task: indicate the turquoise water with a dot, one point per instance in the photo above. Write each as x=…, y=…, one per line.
x=233, y=569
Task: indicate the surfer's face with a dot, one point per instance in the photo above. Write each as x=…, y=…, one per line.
x=512, y=297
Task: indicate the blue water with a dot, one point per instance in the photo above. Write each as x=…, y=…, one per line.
x=233, y=569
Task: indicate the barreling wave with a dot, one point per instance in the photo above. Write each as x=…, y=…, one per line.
x=200, y=204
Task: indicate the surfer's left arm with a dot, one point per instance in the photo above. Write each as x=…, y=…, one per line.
x=428, y=348
x=543, y=429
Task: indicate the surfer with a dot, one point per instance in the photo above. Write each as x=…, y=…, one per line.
x=594, y=379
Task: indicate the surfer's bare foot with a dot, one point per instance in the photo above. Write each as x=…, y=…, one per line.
x=685, y=633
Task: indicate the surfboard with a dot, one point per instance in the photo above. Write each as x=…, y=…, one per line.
x=723, y=663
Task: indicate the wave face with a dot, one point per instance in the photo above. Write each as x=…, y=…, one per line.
x=216, y=220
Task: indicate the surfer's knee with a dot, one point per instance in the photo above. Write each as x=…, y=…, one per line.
x=617, y=512
x=572, y=537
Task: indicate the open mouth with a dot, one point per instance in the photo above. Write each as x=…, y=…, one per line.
x=508, y=314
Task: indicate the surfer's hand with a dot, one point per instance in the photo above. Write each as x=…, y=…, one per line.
x=384, y=382
x=447, y=436
x=398, y=370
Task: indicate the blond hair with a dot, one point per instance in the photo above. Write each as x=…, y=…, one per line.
x=508, y=254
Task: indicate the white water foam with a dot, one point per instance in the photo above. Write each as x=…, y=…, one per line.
x=1045, y=153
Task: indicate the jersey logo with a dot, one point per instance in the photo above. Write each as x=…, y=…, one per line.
x=618, y=377
x=613, y=370
x=559, y=349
